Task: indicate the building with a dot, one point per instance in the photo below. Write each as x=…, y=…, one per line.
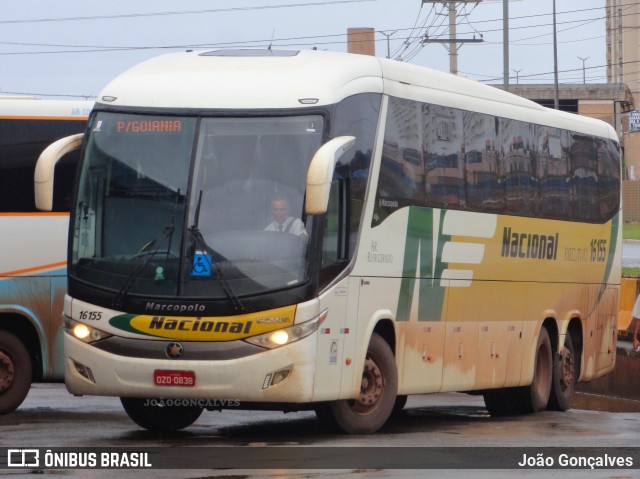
x=623, y=43
x=623, y=67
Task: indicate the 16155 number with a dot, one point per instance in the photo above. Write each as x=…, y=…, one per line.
x=598, y=250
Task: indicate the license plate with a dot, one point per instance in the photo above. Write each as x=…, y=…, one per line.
x=174, y=378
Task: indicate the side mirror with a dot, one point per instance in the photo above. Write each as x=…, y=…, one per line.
x=320, y=173
x=45, y=168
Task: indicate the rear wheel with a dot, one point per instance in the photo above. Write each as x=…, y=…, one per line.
x=536, y=396
x=161, y=415
x=401, y=402
x=15, y=372
x=564, y=377
x=504, y=402
x=375, y=403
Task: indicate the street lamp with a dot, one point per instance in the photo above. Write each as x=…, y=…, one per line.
x=583, y=75
x=517, y=75
x=388, y=35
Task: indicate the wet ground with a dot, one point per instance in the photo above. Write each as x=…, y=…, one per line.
x=449, y=423
x=593, y=402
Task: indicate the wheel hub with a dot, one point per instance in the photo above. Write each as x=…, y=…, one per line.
x=7, y=372
x=371, y=386
x=566, y=378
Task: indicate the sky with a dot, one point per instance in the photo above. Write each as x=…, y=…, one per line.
x=64, y=48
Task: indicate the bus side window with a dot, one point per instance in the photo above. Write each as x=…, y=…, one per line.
x=335, y=241
x=16, y=186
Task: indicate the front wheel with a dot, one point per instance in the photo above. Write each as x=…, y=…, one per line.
x=15, y=372
x=375, y=403
x=161, y=415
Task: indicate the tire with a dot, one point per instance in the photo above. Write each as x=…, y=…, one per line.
x=564, y=377
x=325, y=416
x=15, y=372
x=159, y=417
x=369, y=412
x=503, y=402
x=496, y=402
x=401, y=402
x=535, y=397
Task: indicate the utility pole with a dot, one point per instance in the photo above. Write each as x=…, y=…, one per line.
x=505, y=43
x=584, y=78
x=556, y=97
x=453, y=41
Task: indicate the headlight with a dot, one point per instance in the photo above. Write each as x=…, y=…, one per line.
x=275, y=339
x=84, y=332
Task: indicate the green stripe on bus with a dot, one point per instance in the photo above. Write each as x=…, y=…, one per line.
x=421, y=262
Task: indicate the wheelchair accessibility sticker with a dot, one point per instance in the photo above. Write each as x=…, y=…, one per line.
x=201, y=264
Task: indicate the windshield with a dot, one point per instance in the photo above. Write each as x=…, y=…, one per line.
x=194, y=207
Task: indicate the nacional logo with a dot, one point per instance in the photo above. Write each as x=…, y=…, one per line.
x=529, y=245
x=204, y=328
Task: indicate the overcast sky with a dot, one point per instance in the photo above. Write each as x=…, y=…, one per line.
x=64, y=47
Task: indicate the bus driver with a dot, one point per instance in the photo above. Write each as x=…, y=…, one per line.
x=282, y=221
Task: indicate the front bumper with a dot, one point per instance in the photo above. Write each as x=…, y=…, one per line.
x=239, y=379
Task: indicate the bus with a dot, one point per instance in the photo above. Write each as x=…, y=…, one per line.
x=33, y=260
x=180, y=300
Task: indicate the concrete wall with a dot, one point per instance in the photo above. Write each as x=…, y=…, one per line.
x=599, y=109
x=631, y=199
x=632, y=152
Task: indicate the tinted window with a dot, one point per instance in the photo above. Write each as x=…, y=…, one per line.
x=479, y=162
x=21, y=142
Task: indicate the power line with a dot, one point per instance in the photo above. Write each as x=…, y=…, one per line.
x=571, y=70
x=409, y=40
x=411, y=35
x=183, y=12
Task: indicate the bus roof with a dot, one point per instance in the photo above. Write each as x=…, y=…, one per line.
x=279, y=79
x=250, y=79
x=29, y=108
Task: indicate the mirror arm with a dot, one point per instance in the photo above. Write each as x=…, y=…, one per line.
x=43, y=176
x=320, y=173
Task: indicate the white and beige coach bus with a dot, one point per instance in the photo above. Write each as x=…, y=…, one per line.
x=447, y=236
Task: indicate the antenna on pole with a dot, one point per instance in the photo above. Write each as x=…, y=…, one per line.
x=271, y=41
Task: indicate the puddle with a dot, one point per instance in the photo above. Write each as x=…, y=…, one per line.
x=594, y=402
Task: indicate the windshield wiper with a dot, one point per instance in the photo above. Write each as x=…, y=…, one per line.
x=213, y=258
x=146, y=251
